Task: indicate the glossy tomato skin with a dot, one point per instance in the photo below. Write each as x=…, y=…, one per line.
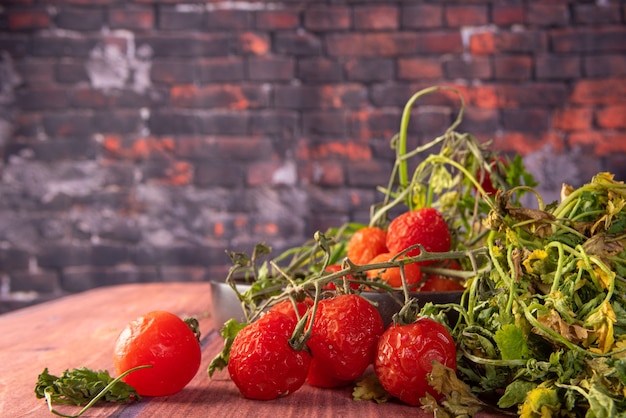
x=405, y=355
x=164, y=341
x=343, y=342
x=424, y=226
x=262, y=364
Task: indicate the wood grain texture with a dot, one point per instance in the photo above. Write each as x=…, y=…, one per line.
x=81, y=329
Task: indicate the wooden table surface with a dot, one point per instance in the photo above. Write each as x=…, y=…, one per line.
x=81, y=329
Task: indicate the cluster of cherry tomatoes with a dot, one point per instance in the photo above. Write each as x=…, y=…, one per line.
x=345, y=333
x=341, y=336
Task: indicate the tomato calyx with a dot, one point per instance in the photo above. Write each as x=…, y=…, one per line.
x=194, y=326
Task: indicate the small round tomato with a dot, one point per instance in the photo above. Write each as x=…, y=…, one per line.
x=406, y=354
x=344, y=335
x=392, y=275
x=165, y=342
x=262, y=364
x=334, y=268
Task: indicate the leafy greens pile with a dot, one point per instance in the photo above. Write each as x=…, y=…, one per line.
x=548, y=323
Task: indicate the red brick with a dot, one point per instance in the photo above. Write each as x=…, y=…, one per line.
x=605, y=66
x=172, y=18
x=43, y=98
x=362, y=173
x=485, y=97
x=321, y=97
x=189, y=45
x=603, y=144
x=277, y=19
x=297, y=44
x=473, y=67
x=372, y=123
x=229, y=19
x=322, y=173
x=573, y=119
x=324, y=18
x=369, y=69
x=466, y=15
x=531, y=95
x=28, y=19
x=421, y=16
x=319, y=69
x=253, y=43
x=394, y=44
x=87, y=97
x=326, y=124
x=224, y=148
x=541, y=14
x=508, y=14
x=612, y=117
x=137, y=17
x=419, y=68
x=599, y=92
x=335, y=149
x=525, y=120
x=35, y=72
x=557, y=67
x=482, y=43
x=271, y=68
x=513, y=67
x=523, y=143
x=479, y=121
x=589, y=39
x=530, y=41
x=262, y=173
x=228, y=96
x=378, y=17
x=597, y=13
x=80, y=18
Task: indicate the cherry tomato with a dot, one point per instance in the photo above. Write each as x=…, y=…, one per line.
x=405, y=356
x=436, y=283
x=334, y=268
x=262, y=363
x=164, y=341
x=343, y=342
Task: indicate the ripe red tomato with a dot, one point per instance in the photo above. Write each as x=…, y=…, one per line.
x=405, y=355
x=287, y=307
x=484, y=178
x=392, y=275
x=425, y=226
x=164, y=341
x=345, y=332
x=262, y=364
x=438, y=283
x=333, y=268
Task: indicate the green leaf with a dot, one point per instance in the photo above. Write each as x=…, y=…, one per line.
x=515, y=393
x=229, y=332
x=511, y=342
x=80, y=386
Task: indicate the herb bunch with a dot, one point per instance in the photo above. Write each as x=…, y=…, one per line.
x=547, y=325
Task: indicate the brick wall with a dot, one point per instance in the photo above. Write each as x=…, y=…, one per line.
x=140, y=139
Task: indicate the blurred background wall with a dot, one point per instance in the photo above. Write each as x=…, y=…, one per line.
x=141, y=139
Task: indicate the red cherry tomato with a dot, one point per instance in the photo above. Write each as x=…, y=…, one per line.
x=263, y=365
x=334, y=268
x=405, y=356
x=164, y=341
x=436, y=283
x=484, y=178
